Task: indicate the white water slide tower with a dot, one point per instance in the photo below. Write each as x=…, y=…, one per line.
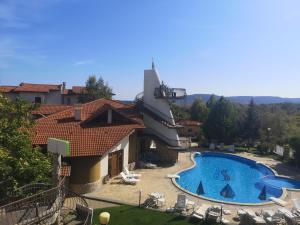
x=154, y=104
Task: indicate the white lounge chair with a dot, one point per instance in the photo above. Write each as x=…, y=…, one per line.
x=214, y=213
x=158, y=198
x=128, y=180
x=130, y=174
x=276, y=218
x=200, y=212
x=296, y=203
x=293, y=218
x=253, y=218
x=183, y=203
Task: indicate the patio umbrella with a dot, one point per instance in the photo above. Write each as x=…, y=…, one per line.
x=200, y=190
x=263, y=194
x=227, y=192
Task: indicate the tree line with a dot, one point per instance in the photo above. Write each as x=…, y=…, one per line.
x=249, y=125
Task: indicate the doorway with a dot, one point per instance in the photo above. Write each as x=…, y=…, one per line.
x=115, y=163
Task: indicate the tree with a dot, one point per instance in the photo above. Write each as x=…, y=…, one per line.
x=294, y=142
x=179, y=113
x=95, y=89
x=274, y=127
x=221, y=122
x=211, y=102
x=251, y=125
x=199, y=110
x=20, y=164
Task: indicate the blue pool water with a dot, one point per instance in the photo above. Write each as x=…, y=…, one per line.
x=246, y=178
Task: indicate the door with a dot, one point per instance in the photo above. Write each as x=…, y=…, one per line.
x=115, y=163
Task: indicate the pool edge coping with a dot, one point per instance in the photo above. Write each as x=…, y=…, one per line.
x=282, y=197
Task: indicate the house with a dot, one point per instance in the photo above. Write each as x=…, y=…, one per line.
x=102, y=137
x=190, y=129
x=97, y=139
x=44, y=93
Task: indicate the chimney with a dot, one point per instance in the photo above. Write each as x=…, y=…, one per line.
x=77, y=112
x=63, y=87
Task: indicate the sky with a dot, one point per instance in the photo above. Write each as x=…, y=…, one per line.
x=232, y=47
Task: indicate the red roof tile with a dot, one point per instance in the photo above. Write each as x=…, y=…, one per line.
x=65, y=171
x=78, y=89
x=6, y=88
x=49, y=109
x=27, y=87
x=87, y=140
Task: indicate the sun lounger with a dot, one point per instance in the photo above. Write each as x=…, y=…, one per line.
x=128, y=180
x=253, y=218
x=293, y=218
x=158, y=198
x=275, y=219
x=296, y=205
x=200, y=212
x=278, y=201
x=183, y=203
x=130, y=174
x=214, y=213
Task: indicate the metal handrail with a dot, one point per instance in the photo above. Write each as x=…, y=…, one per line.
x=41, y=207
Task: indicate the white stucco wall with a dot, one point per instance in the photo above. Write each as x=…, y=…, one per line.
x=123, y=145
x=53, y=97
x=152, y=81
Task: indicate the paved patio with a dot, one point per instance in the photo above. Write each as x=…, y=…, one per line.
x=154, y=180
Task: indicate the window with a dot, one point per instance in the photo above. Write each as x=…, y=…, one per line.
x=37, y=100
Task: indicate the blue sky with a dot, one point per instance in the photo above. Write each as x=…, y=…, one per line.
x=231, y=47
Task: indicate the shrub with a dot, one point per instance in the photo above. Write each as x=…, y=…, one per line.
x=295, y=145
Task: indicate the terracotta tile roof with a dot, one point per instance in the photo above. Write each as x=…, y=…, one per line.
x=78, y=89
x=86, y=139
x=45, y=109
x=6, y=88
x=28, y=87
x=65, y=171
x=189, y=123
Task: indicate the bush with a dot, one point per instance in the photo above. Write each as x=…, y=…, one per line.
x=263, y=148
x=295, y=145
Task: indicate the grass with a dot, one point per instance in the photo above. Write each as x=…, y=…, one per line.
x=129, y=215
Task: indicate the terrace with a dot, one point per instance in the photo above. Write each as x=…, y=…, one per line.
x=154, y=180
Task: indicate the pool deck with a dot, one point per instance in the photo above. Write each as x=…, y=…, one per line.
x=154, y=180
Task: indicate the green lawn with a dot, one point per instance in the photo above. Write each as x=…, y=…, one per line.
x=128, y=215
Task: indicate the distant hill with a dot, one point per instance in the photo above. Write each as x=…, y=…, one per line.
x=241, y=99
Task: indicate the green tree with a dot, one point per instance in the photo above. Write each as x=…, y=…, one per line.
x=179, y=113
x=95, y=89
x=252, y=124
x=20, y=164
x=199, y=110
x=274, y=127
x=221, y=122
x=294, y=142
x=211, y=102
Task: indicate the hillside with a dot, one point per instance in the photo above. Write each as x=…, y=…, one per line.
x=242, y=99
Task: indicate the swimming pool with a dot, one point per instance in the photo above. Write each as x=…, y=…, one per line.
x=230, y=178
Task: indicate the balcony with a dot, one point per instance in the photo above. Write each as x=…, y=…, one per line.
x=169, y=93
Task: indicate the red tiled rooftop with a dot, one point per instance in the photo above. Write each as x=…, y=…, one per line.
x=28, y=87
x=6, y=88
x=87, y=139
x=49, y=109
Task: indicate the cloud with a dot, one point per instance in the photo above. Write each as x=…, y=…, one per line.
x=83, y=62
